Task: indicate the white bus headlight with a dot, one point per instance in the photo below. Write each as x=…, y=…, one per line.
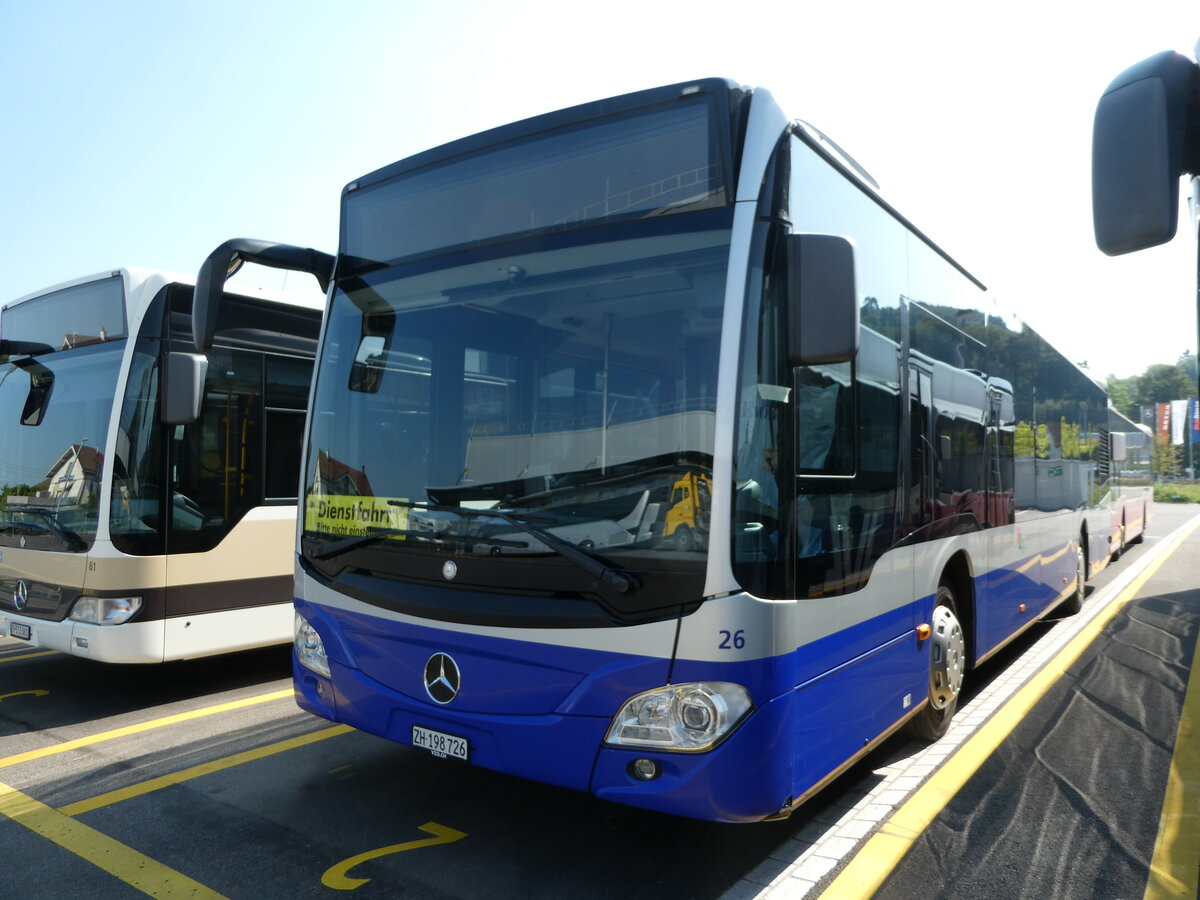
x=683, y=717
x=310, y=650
x=105, y=610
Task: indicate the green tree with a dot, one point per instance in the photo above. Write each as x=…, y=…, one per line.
x=1164, y=457
x=1187, y=365
x=1162, y=383
x=1120, y=394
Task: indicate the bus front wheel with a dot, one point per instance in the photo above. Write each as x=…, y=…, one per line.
x=947, y=662
x=1074, y=603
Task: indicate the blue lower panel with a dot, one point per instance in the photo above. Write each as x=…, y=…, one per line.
x=745, y=779
x=555, y=749
x=785, y=746
x=841, y=714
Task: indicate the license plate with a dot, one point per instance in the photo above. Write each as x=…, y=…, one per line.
x=20, y=630
x=444, y=746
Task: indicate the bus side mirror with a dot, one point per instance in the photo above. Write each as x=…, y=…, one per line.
x=1116, y=446
x=220, y=265
x=183, y=388
x=1139, y=151
x=41, y=385
x=822, y=300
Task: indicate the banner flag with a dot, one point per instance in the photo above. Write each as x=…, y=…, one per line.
x=1179, y=418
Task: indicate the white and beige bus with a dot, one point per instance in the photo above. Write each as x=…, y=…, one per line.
x=148, y=501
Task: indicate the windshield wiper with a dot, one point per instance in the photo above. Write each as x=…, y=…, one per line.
x=345, y=545
x=71, y=541
x=621, y=582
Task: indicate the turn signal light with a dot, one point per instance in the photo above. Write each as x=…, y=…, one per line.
x=1021, y=608
x=923, y=632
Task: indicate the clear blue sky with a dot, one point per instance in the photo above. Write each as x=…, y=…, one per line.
x=140, y=133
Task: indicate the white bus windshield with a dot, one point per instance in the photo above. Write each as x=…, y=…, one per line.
x=55, y=408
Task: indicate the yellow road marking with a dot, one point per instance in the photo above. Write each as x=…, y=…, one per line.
x=4, y=659
x=217, y=765
x=135, y=869
x=65, y=746
x=36, y=693
x=1175, y=866
x=335, y=877
x=868, y=869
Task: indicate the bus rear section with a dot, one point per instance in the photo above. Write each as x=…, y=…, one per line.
x=128, y=533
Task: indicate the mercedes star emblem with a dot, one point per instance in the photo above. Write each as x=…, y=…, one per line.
x=21, y=595
x=449, y=569
x=442, y=679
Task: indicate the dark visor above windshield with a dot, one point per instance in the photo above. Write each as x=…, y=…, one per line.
x=653, y=161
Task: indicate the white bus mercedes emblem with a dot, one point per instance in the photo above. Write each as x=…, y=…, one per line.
x=449, y=570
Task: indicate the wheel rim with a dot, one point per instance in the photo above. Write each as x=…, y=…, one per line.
x=946, y=658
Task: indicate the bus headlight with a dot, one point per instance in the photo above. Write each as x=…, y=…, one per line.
x=310, y=650
x=683, y=717
x=105, y=610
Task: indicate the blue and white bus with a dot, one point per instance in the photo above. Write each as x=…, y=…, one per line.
x=147, y=494
x=651, y=453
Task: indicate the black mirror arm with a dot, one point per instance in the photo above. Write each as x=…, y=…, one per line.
x=223, y=262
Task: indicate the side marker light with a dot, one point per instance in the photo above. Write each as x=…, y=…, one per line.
x=923, y=632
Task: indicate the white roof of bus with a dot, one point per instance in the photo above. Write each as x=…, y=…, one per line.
x=137, y=279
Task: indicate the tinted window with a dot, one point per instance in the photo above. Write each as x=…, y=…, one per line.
x=646, y=163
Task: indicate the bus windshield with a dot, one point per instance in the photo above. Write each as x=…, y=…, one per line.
x=570, y=389
x=56, y=396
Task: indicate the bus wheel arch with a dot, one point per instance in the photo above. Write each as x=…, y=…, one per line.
x=1074, y=602
x=947, y=649
x=958, y=576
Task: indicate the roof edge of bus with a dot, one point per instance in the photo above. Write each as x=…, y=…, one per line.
x=137, y=277
x=543, y=122
x=134, y=276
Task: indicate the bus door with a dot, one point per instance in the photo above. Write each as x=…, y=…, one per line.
x=216, y=479
x=999, y=457
x=923, y=472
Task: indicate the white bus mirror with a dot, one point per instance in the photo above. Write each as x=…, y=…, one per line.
x=183, y=388
x=822, y=300
x=1139, y=151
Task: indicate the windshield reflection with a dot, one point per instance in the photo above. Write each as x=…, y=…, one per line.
x=546, y=403
x=50, y=472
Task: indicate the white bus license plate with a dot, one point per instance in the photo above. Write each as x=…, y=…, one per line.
x=20, y=631
x=438, y=743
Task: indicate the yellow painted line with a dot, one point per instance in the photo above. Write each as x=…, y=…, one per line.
x=870, y=867
x=338, y=878
x=141, y=727
x=33, y=693
x=4, y=659
x=1175, y=866
x=217, y=765
x=135, y=869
